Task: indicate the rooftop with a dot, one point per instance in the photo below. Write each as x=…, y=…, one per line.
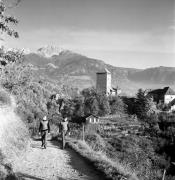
x=164, y=91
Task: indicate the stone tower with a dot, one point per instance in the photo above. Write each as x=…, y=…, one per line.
x=103, y=82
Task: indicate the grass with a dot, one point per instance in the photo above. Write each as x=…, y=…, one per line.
x=98, y=152
x=113, y=170
x=14, y=136
x=118, y=147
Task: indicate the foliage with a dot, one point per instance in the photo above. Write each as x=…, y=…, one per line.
x=116, y=105
x=91, y=105
x=79, y=107
x=100, y=104
x=6, y=21
x=104, y=108
x=32, y=93
x=11, y=56
x=129, y=105
x=142, y=104
x=68, y=108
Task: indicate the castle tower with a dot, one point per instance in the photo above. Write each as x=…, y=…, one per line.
x=103, y=82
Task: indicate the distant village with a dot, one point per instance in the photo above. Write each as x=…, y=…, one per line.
x=164, y=96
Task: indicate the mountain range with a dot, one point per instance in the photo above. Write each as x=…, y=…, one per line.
x=53, y=63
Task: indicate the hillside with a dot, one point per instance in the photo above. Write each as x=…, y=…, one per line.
x=14, y=136
x=81, y=70
x=157, y=75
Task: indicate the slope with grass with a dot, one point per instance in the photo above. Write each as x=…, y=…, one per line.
x=14, y=135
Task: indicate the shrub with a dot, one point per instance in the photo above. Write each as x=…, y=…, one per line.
x=116, y=105
x=95, y=141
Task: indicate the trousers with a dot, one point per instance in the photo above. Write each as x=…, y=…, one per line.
x=63, y=138
x=44, y=138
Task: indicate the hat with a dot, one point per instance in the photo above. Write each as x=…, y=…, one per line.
x=45, y=118
x=65, y=118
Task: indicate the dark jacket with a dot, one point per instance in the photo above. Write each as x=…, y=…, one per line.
x=44, y=126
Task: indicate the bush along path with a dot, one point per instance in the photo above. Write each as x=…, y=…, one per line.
x=53, y=163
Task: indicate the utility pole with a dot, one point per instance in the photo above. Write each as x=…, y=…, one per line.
x=164, y=173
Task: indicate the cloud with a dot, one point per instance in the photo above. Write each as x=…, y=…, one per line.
x=143, y=49
x=75, y=39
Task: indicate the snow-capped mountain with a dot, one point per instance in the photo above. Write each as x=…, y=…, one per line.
x=49, y=51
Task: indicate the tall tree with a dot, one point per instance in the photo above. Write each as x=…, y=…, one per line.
x=143, y=105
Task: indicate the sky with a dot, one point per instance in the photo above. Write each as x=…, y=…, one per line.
x=125, y=33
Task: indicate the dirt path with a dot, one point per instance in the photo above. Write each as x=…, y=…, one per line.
x=54, y=163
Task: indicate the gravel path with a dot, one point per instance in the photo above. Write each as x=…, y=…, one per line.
x=54, y=163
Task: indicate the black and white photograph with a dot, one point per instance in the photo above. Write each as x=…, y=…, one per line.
x=87, y=90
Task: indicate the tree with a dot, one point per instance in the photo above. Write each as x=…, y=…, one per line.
x=90, y=101
x=68, y=108
x=129, y=105
x=7, y=20
x=142, y=104
x=103, y=102
x=78, y=107
x=91, y=105
x=116, y=105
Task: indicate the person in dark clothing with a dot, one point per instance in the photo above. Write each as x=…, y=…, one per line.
x=44, y=128
x=64, y=129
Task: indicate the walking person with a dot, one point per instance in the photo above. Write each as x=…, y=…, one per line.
x=44, y=129
x=64, y=128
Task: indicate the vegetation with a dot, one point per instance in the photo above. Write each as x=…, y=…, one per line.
x=13, y=133
x=123, y=151
x=141, y=141
x=133, y=138
x=7, y=20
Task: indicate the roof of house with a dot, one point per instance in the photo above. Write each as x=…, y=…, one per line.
x=105, y=70
x=90, y=116
x=164, y=91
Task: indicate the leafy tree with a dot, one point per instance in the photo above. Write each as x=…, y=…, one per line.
x=91, y=105
x=68, y=108
x=129, y=105
x=89, y=92
x=103, y=102
x=116, y=105
x=79, y=107
x=7, y=20
x=6, y=57
x=90, y=101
